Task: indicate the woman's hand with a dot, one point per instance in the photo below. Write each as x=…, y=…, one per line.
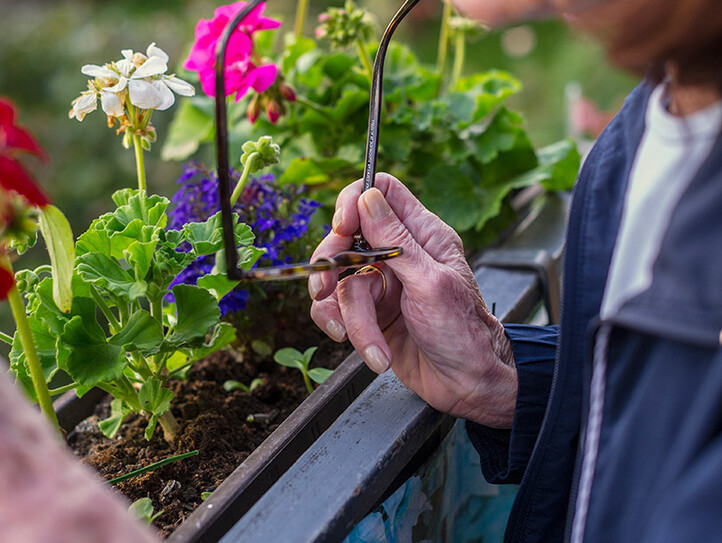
x=431, y=324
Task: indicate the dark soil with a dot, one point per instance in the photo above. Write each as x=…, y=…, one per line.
x=212, y=421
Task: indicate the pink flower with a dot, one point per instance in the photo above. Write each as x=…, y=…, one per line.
x=241, y=73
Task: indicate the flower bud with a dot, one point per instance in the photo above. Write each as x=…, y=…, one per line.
x=254, y=109
x=273, y=111
x=262, y=152
x=287, y=92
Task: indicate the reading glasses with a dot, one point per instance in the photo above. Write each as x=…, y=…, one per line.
x=360, y=254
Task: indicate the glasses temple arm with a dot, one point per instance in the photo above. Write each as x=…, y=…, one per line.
x=224, y=176
x=372, y=135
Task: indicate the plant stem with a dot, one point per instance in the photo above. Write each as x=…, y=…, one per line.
x=311, y=105
x=6, y=338
x=139, y=161
x=63, y=389
x=242, y=181
x=363, y=52
x=31, y=353
x=98, y=299
x=444, y=40
x=307, y=380
x=460, y=46
x=301, y=8
x=170, y=426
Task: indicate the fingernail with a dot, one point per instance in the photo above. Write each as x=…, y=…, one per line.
x=376, y=359
x=314, y=285
x=376, y=204
x=336, y=330
x=337, y=219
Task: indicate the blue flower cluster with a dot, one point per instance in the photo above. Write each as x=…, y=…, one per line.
x=278, y=216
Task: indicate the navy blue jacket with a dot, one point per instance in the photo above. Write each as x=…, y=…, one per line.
x=658, y=473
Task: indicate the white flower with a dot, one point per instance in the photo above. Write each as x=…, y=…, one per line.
x=83, y=105
x=142, y=75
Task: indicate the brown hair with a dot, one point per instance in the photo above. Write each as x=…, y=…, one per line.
x=645, y=35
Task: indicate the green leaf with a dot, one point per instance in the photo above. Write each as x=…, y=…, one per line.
x=350, y=102
x=319, y=375
x=58, y=237
x=90, y=359
x=191, y=126
x=248, y=256
x=207, y=237
x=231, y=385
x=455, y=195
x=43, y=307
x=197, y=311
x=558, y=165
x=222, y=334
x=154, y=398
x=108, y=274
x=308, y=354
x=118, y=411
x=338, y=64
x=142, y=333
x=142, y=509
x=294, y=51
x=218, y=284
x=303, y=171
x=313, y=171
x=149, y=209
x=45, y=345
x=489, y=89
x=139, y=256
x=95, y=240
x=290, y=358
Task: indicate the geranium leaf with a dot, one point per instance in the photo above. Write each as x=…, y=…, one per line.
x=154, y=398
x=190, y=127
x=90, y=359
x=118, y=411
x=197, y=311
x=142, y=332
x=107, y=273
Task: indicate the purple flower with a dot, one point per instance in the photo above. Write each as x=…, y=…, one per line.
x=279, y=217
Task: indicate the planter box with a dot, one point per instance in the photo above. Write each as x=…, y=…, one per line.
x=237, y=494
x=388, y=432
x=347, y=419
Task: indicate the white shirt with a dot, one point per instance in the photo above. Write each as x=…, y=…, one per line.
x=671, y=151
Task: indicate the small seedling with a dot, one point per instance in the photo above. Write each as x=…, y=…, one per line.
x=143, y=510
x=293, y=358
x=205, y=495
x=230, y=385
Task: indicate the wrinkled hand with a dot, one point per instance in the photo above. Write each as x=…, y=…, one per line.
x=431, y=324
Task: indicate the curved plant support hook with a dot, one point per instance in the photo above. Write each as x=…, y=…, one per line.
x=372, y=135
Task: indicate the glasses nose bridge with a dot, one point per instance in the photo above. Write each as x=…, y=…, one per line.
x=221, y=119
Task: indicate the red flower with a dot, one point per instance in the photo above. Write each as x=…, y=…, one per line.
x=15, y=140
x=6, y=282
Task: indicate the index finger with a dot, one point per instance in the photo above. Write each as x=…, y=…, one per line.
x=429, y=231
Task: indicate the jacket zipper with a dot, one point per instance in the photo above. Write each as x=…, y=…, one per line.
x=592, y=433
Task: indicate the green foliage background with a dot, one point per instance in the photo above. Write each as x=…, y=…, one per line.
x=43, y=45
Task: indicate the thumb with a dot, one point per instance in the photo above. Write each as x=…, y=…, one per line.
x=382, y=228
